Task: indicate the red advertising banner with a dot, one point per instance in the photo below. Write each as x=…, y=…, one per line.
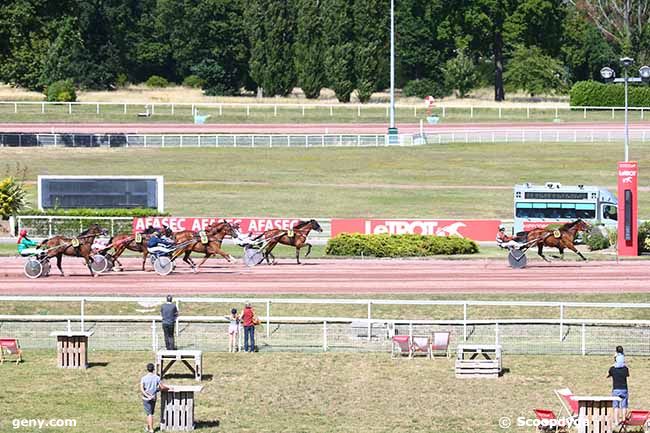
x=628, y=174
x=254, y=225
x=478, y=230
x=529, y=225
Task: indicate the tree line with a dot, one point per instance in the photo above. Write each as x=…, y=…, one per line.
x=271, y=46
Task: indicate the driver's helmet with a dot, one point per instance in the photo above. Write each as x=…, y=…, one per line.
x=23, y=233
x=502, y=228
x=156, y=233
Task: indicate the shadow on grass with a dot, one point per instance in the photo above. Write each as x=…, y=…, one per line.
x=206, y=424
x=97, y=364
x=504, y=371
x=204, y=378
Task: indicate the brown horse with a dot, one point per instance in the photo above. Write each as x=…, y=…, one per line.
x=561, y=238
x=129, y=241
x=296, y=237
x=214, y=234
x=79, y=246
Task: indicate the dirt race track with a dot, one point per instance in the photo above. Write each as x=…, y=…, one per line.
x=318, y=276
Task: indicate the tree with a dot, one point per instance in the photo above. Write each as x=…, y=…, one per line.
x=534, y=72
x=65, y=53
x=12, y=197
x=339, y=54
x=538, y=23
x=460, y=74
x=308, y=48
x=270, y=26
x=371, y=52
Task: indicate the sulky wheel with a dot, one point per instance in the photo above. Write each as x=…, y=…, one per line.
x=252, y=256
x=517, y=259
x=163, y=265
x=33, y=268
x=98, y=263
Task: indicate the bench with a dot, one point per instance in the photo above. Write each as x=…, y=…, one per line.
x=478, y=361
x=171, y=356
x=12, y=347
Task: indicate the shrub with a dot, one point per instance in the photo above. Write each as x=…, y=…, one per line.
x=597, y=238
x=134, y=212
x=385, y=245
x=61, y=91
x=595, y=94
x=156, y=81
x=12, y=197
x=534, y=72
x=460, y=74
x=193, y=81
x=424, y=88
x=121, y=80
x=644, y=237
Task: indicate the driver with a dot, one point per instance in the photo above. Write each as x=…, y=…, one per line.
x=26, y=246
x=157, y=239
x=505, y=241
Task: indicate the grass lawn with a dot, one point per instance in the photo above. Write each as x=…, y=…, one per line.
x=298, y=392
x=436, y=181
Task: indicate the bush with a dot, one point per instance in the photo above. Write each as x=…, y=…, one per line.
x=135, y=212
x=597, y=238
x=460, y=74
x=424, y=88
x=385, y=245
x=595, y=94
x=61, y=91
x=534, y=72
x=121, y=80
x=156, y=81
x=644, y=237
x=12, y=197
x=193, y=81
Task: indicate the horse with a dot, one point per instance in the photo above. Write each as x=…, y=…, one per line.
x=296, y=237
x=129, y=241
x=561, y=238
x=79, y=246
x=214, y=234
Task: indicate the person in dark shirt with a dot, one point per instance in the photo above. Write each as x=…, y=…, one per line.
x=619, y=389
x=169, y=314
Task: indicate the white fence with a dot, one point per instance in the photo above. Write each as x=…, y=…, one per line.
x=368, y=332
x=269, y=109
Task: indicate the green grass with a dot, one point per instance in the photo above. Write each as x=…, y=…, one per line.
x=436, y=181
x=312, y=114
x=298, y=392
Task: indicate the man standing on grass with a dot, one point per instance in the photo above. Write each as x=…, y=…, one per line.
x=619, y=377
x=169, y=313
x=150, y=384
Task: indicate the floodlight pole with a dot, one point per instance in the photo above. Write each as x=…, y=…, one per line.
x=392, y=131
x=627, y=125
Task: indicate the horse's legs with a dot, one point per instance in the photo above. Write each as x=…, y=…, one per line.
x=308, y=249
x=267, y=252
x=298, y=255
x=575, y=250
x=118, y=252
x=561, y=252
x=58, y=263
x=92, y=273
x=540, y=247
x=187, y=259
x=145, y=253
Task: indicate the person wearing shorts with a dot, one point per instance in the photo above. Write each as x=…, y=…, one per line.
x=150, y=384
x=619, y=389
x=233, y=331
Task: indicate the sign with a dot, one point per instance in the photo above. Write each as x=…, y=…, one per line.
x=478, y=230
x=628, y=174
x=247, y=225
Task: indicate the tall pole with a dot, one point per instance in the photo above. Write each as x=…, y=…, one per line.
x=392, y=64
x=627, y=129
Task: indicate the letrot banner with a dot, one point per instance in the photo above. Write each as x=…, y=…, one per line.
x=253, y=225
x=478, y=230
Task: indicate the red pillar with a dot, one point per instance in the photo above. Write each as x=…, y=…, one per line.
x=628, y=173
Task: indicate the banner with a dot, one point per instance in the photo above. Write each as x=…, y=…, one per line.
x=478, y=230
x=529, y=225
x=247, y=225
x=628, y=179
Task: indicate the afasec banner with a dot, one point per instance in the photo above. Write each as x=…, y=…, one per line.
x=478, y=230
x=254, y=225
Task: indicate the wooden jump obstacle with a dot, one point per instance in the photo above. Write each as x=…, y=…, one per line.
x=171, y=356
x=72, y=348
x=474, y=360
x=177, y=407
x=596, y=414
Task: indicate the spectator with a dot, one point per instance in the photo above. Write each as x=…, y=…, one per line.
x=247, y=318
x=150, y=384
x=233, y=331
x=169, y=313
x=619, y=377
x=619, y=359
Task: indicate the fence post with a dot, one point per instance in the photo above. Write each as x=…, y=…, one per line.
x=69, y=107
x=303, y=111
x=98, y=108
x=556, y=113
x=584, y=113
x=410, y=329
x=499, y=112
x=561, y=322
x=465, y=322
x=584, y=349
x=49, y=227
x=527, y=112
x=178, y=309
x=275, y=110
x=444, y=112
x=172, y=108
x=325, y=336
x=268, y=319
x=248, y=110
x=359, y=110
x=43, y=107
x=124, y=108
x=496, y=333
x=612, y=112
x=471, y=112
x=154, y=346
x=331, y=111
x=83, y=304
x=369, y=318
x=220, y=109
x=69, y=326
x=15, y=108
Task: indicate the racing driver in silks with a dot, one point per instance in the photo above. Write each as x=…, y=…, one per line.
x=505, y=241
x=26, y=246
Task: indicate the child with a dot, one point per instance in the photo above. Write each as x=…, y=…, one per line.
x=619, y=359
x=233, y=331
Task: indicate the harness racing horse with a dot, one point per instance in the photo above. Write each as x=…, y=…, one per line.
x=79, y=246
x=561, y=238
x=208, y=243
x=296, y=237
x=137, y=243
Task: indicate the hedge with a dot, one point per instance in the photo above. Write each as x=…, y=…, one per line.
x=385, y=245
x=595, y=94
x=134, y=212
x=644, y=237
